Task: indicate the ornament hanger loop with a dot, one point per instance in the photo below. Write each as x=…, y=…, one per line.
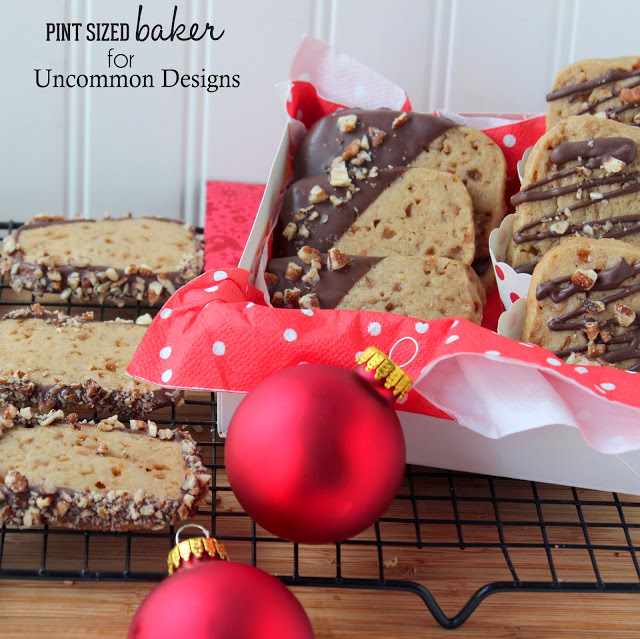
x=201, y=528
x=415, y=354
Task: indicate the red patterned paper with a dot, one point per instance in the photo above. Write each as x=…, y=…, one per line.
x=231, y=209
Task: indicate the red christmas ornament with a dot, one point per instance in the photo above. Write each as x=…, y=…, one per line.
x=315, y=453
x=207, y=596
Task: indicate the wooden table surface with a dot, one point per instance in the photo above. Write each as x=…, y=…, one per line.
x=60, y=610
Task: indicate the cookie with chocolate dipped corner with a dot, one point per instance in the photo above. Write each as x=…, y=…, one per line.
x=401, y=211
x=425, y=288
x=351, y=142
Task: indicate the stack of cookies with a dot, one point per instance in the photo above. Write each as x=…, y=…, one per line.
x=577, y=220
x=388, y=211
x=114, y=469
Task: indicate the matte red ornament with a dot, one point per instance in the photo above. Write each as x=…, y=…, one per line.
x=315, y=453
x=209, y=597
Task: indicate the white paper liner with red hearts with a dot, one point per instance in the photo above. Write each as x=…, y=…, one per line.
x=218, y=333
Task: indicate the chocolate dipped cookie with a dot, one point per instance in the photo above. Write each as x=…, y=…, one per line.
x=349, y=143
x=582, y=178
x=425, y=288
x=57, y=470
x=609, y=87
x=49, y=360
x=109, y=260
x=402, y=211
x=584, y=303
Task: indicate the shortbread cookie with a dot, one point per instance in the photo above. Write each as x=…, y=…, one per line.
x=584, y=302
x=425, y=288
x=418, y=212
x=609, y=87
x=349, y=143
x=581, y=178
x=112, y=476
x=112, y=260
x=49, y=360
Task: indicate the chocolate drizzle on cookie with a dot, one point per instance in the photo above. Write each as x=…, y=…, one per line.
x=608, y=156
x=612, y=338
x=581, y=91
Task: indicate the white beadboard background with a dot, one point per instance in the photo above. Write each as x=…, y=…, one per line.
x=150, y=151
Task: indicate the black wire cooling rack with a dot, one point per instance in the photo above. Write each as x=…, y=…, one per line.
x=510, y=535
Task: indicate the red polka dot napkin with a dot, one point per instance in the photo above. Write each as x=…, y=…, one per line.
x=218, y=333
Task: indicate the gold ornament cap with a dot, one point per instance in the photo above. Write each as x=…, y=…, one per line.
x=395, y=379
x=194, y=549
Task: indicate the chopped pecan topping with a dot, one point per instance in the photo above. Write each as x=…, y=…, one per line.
x=294, y=271
x=339, y=175
x=309, y=301
x=292, y=297
x=336, y=259
x=311, y=277
x=585, y=279
x=630, y=95
x=347, y=123
x=592, y=306
x=290, y=231
x=560, y=227
x=613, y=165
x=16, y=481
x=310, y=256
x=592, y=329
x=401, y=120
x=317, y=194
x=377, y=135
x=624, y=314
x=351, y=151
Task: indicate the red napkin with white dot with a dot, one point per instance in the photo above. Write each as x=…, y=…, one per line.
x=218, y=333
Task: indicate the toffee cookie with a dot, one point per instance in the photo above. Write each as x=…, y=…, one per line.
x=49, y=360
x=418, y=212
x=584, y=303
x=609, y=87
x=425, y=288
x=349, y=143
x=581, y=178
x=107, y=475
x=112, y=260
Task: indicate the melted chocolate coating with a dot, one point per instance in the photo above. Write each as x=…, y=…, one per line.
x=333, y=285
x=324, y=141
x=332, y=220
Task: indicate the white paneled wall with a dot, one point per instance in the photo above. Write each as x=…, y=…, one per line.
x=150, y=151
